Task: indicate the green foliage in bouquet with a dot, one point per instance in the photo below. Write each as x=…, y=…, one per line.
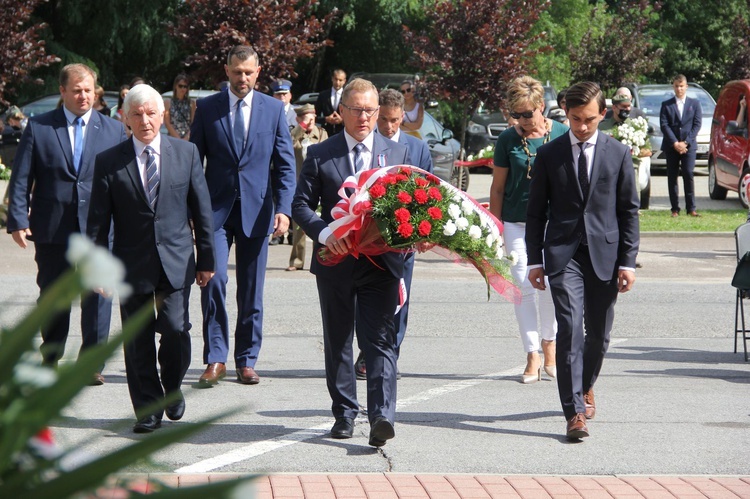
x=33, y=397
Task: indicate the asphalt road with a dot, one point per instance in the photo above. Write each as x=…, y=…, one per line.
x=672, y=397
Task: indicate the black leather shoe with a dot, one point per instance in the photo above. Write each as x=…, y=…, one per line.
x=147, y=424
x=359, y=366
x=343, y=428
x=381, y=430
x=176, y=410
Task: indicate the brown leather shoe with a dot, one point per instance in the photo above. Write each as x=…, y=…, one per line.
x=213, y=373
x=247, y=376
x=675, y=214
x=588, y=400
x=97, y=380
x=577, y=427
x=694, y=214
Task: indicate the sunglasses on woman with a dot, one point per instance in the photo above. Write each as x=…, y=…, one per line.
x=405, y=90
x=526, y=114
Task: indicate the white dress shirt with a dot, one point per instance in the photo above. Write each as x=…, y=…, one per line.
x=680, y=106
x=70, y=117
x=142, y=158
x=589, y=151
x=246, y=109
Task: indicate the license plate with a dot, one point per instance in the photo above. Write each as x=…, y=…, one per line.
x=702, y=148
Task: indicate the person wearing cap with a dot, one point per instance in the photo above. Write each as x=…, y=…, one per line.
x=282, y=90
x=305, y=134
x=622, y=109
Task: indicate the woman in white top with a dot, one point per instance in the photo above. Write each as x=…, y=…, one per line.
x=413, y=110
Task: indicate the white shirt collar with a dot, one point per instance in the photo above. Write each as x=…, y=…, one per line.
x=70, y=117
x=233, y=99
x=351, y=141
x=140, y=146
x=592, y=140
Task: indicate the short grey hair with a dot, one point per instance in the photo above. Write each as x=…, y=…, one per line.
x=139, y=95
x=391, y=98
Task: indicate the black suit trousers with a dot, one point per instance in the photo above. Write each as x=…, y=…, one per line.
x=368, y=299
x=170, y=319
x=96, y=311
x=681, y=164
x=584, y=308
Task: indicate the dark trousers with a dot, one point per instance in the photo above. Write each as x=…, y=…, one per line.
x=681, y=164
x=96, y=311
x=171, y=321
x=368, y=300
x=402, y=317
x=251, y=255
x=584, y=308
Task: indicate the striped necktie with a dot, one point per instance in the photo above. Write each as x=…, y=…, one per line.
x=359, y=160
x=152, y=176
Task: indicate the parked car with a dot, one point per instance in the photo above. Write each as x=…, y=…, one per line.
x=729, y=150
x=649, y=98
x=387, y=80
x=309, y=98
x=444, y=150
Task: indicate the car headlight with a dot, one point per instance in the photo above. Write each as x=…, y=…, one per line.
x=475, y=128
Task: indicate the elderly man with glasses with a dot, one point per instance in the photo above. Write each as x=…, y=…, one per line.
x=362, y=291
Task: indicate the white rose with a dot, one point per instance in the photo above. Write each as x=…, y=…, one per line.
x=462, y=223
x=98, y=267
x=475, y=232
x=449, y=228
x=467, y=207
x=454, y=211
x=513, y=258
x=489, y=240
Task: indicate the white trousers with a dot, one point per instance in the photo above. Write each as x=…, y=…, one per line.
x=536, y=312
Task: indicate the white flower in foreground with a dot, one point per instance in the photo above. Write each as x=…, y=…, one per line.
x=449, y=228
x=462, y=223
x=454, y=211
x=513, y=258
x=34, y=375
x=489, y=240
x=475, y=232
x=97, y=266
x=467, y=207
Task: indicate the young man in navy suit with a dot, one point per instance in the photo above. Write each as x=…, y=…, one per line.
x=582, y=231
x=242, y=133
x=50, y=188
x=680, y=119
x=364, y=291
x=150, y=188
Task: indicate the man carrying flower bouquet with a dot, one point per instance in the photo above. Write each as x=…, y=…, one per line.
x=362, y=291
x=582, y=232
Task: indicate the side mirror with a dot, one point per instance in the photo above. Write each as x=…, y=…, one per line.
x=447, y=135
x=733, y=128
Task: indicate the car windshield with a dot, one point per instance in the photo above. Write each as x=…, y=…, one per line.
x=650, y=99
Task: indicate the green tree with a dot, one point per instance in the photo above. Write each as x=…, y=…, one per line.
x=20, y=46
x=622, y=52
x=471, y=48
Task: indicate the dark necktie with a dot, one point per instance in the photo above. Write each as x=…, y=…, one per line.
x=239, y=128
x=583, y=171
x=78, y=142
x=152, y=176
x=359, y=160
x=336, y=102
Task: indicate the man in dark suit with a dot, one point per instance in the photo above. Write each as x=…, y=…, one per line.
x=327, y=105
x=49, y=194
x=242, y=133
x=149, y=188
x=390, y=117
x=680, y=119
x=362, y=291
x=582, y=232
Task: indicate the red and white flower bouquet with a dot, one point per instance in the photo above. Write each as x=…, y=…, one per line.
x=399, y=208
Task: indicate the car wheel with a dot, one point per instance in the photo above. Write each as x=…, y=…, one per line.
x=460, y=178
x=715, y=191
x=743, y=187
x=646, y=196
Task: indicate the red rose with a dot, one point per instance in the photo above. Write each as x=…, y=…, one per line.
x=402, y=215
x=389, y=179
x=421, y=182
x=402, y=178
x=404, y=171
x=404, y=197
x=377, y=191
x=432, y=178
x=434, y=193
x=405, y=230
x=435, y=213
x=424, y=228
x=420, y=195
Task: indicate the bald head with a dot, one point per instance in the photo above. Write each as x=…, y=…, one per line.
x=624, y=91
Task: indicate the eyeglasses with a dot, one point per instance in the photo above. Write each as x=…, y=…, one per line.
x=357, y=111
x=526, y=114
x=405, y=90
x=181, y=85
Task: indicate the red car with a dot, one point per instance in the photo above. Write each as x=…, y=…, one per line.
x=728, y=165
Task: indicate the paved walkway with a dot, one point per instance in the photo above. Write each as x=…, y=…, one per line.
x=396, y=485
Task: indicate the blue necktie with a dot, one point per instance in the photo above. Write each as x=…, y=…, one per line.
x=359, y=160
x=239, y=128
x=152, y=176
x=78, y=142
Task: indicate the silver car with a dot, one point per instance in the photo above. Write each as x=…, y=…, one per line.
x=649, y=98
